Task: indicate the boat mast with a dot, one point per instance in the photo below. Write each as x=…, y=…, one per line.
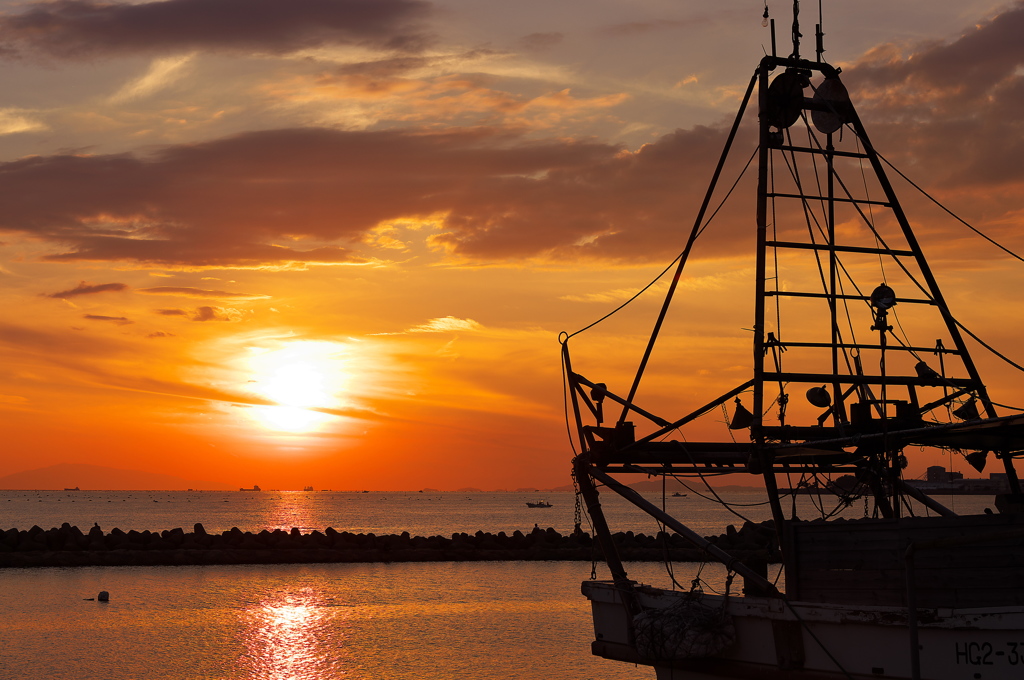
x=760, y=341
x=763, y=461
x=781, y=105
x=857, y=419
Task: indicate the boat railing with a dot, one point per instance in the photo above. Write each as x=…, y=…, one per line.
x=732, y=563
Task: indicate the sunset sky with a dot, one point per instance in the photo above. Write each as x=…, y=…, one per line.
x=333, y=242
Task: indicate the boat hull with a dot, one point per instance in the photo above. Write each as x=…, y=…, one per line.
x=814, y=641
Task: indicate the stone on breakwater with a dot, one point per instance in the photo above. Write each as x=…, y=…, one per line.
x=68, y=546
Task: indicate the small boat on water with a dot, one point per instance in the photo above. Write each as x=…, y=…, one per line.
x=538, y=504
x=913, y=591
x=678, y=495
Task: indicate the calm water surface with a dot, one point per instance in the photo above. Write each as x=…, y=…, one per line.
x=497, y=620
x=485, y=621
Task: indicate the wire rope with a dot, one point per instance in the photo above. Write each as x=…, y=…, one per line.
x=670, y=264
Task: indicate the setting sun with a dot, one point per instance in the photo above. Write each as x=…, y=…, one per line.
x=300, y=377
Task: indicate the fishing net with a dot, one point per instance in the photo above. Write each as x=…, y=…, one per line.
x=686, y=630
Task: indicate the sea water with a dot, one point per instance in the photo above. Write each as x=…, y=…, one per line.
x=478, y=620
x=379, y=513
x=418, y=621
x=421, y=514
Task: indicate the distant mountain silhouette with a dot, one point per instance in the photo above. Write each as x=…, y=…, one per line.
x=97, y=477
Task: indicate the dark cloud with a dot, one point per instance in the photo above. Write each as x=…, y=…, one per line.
x=84, y=288
x=953, y=107
x=495, y=196
x=201, y=293
x=204, y=313
x=231, y=202
x=615, y=205
x=160, y=334
x=119, y=320
x=255, y=199
x=74, y=29
x=252, y=200
x=980, y=58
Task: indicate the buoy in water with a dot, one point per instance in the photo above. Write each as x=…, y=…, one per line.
x=104, y=596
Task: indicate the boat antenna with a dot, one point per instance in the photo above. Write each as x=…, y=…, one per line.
x=796, y=30
x=819, y=35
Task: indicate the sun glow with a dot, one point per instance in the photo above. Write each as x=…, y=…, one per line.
x=300, y=378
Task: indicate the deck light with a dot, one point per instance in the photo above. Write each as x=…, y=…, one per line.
x=883, y=298
x=819, y=396
x=968, y=410
x=741, y=418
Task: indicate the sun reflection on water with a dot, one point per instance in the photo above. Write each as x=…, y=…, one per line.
x=292, y=636
x=291, y=509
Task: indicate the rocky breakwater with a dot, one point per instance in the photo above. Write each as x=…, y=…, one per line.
x=68, y=546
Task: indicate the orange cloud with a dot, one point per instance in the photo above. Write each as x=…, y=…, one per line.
x=447, y=324
x=399, y=91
